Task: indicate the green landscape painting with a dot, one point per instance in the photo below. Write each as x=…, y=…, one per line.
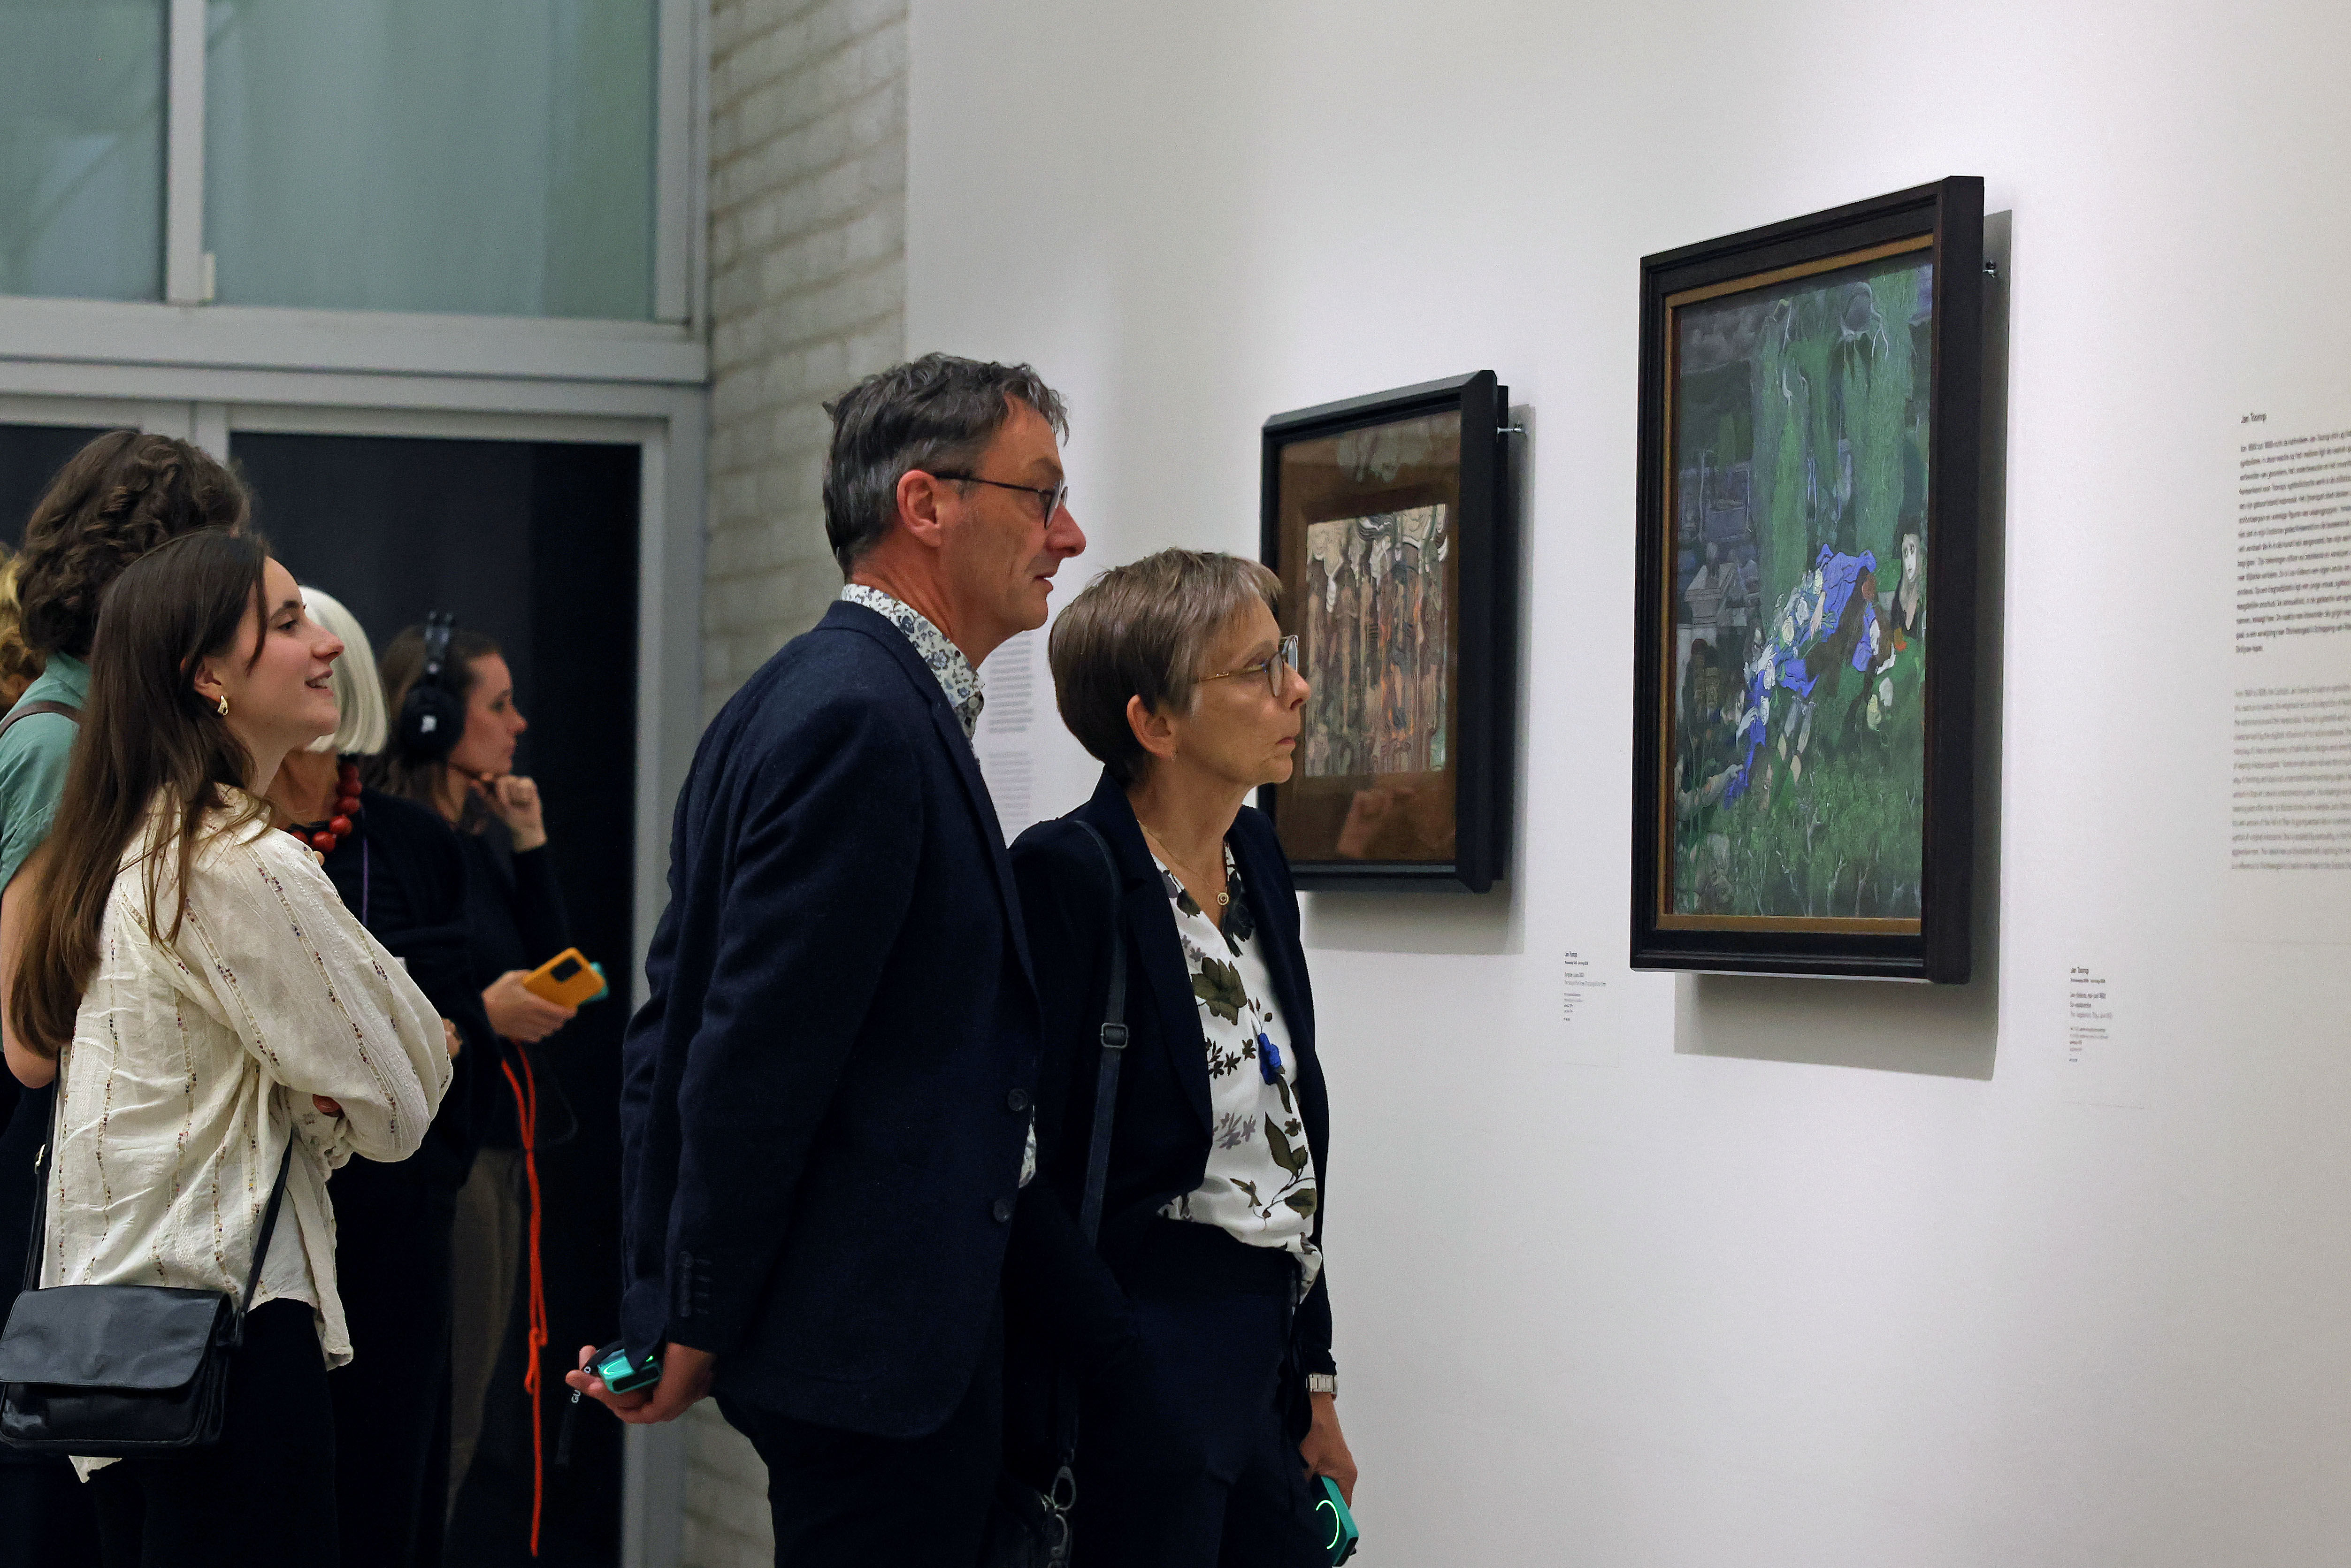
x=1800, y=467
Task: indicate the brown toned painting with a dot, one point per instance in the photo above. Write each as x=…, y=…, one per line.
x=1369, y=509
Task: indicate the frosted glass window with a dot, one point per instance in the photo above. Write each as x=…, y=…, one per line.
x=483, y=156
x=81, y=148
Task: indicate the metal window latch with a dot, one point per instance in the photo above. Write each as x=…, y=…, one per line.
x=1507, y=430
x=1991, y=269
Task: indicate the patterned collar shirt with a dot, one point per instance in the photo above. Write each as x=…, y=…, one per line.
x=955, y=675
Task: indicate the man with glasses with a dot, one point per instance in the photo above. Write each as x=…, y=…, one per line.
x=827, y=1110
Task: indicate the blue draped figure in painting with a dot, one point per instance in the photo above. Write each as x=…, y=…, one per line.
x=1812, y=620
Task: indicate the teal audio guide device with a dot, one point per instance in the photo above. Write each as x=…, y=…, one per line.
x=1331, y=1512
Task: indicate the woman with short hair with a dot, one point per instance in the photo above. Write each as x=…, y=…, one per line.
x=399, y=868
x=215, y=1016
x=1202, y=1326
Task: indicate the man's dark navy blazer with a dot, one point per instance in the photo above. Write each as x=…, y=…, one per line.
x=827, y=1093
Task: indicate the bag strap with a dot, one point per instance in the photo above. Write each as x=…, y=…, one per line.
x=35, y=1232
x=1063, y=1495
x=40, y=1226
x=1114, y=1050
x=27, y=710
x=268, y=1224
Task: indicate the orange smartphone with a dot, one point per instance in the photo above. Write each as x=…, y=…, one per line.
x=568, y=977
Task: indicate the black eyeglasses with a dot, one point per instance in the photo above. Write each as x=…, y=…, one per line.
x=1053, y=498
x=1275, y=667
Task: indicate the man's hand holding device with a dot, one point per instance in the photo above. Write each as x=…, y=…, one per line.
x=650, y=1391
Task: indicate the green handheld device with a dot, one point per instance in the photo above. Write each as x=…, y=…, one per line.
x=1331, y=1512
x=623, y=1372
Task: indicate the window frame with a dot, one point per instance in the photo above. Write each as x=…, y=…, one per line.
x=187, y=367
x=185, y=328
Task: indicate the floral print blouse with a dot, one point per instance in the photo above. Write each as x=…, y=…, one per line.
x=1260, y=1184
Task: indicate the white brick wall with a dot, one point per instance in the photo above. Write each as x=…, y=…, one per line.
x=807, y=224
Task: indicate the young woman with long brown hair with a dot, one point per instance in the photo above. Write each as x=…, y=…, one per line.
x=210, y=1002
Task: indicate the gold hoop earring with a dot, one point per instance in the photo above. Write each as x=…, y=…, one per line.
x=222, y=709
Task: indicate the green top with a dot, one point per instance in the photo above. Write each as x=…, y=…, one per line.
x=33, y=755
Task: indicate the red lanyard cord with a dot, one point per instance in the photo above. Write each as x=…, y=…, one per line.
x=526, y=1094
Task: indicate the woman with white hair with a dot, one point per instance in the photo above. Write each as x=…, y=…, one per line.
x=399, y=868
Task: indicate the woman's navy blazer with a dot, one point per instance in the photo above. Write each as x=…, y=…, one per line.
x=1161, y=1133
x=826, y=1096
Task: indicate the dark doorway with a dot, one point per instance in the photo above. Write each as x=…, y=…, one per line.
x=536, y=545
x=30, y=456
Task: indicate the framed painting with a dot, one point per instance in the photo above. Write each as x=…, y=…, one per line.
x=1805, y=701
x=1387, y=519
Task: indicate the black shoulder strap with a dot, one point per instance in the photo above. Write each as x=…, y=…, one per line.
x=268, y=1223
x=1063, y=1495
x=27, y=710
x=1113, y=1049
x=40, y=1226
x=35, y=1232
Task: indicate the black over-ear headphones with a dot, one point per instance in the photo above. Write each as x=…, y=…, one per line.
x=432, y=715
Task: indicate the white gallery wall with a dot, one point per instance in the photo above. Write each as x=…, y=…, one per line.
x=1752, y=1272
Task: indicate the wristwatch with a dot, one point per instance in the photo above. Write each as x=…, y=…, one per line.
x=1323, y=1383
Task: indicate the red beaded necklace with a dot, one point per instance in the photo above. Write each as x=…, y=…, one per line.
x=347, y=806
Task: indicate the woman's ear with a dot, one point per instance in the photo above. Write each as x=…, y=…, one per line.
x=1154, y=730
x=206, y=682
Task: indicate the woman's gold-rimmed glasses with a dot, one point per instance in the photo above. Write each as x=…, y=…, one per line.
x=1275, y=667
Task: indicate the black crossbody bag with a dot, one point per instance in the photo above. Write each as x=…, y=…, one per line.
x=117, y=1370
x=1029, y=1529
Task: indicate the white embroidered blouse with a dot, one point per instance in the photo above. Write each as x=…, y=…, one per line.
x=191, y=1063
x=1259, y=1185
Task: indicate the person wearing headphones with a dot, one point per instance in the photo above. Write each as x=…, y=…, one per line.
x=453, y=749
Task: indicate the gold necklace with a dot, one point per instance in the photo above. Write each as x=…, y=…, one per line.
x=1223, y=897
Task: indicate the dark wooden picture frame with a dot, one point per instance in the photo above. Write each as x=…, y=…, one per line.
x=1387, y=518
x=1804, y=623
